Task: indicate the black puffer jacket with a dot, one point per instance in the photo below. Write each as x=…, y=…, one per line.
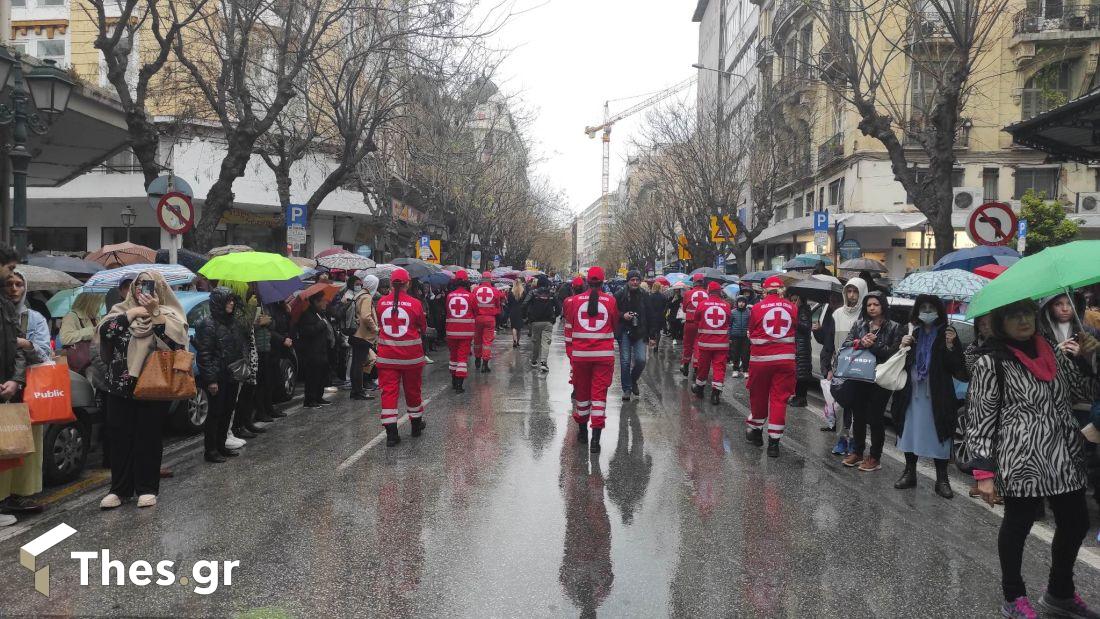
x=803, y=353
x=218, y=340
x=658, y=305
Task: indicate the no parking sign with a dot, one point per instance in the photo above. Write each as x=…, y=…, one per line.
x=993, y=223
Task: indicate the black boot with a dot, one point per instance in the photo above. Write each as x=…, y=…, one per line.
x=582, y=431
x=773, y=448
x=684, y=369
x=797, y=401
x=715, y=396
x=943, y=488
x=418, y=425
x=594, y=444
x=485, y=367
x=454, y=383
x=392, y=437
x=243, y=433
x=228, y=453
x=253, y=428
x=908, y=479
x=756, y=437
x=458, y=385
x=698, y=391
x=477, y=363
x=213, y=456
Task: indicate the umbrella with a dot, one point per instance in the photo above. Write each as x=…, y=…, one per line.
x=675, y=278
x=662, y=280
x=344, y=260
x=228, y=249
x=440, y=278
x=186, y=257
x=953, y=284
x=732, y=290
x=418, y=269
x=61, y=302
x=274, y=291
x=815, y=289
x=679, y=285
x=974, y=257
x=758, y=276
x=250, y=266
x=1054, y=270
x=711, y=273
x=41, y=278
x=305, y=263
x=814, y=258
x=104, y=281
x=733, y=279
x=123, y=254
x=302, y=301
x=863, y=264
x=453, y=268
x=791, y=277
x=990, y=271
x=826, y=278
x=67, y=264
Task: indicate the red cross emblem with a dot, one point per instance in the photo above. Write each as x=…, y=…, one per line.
x=458, y=307
x=777, y=322
x=698, y=297
x=591, y=323
x=715, y=317
x=395, y=325
x=485, y=295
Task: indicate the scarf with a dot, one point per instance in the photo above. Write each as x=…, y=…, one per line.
x=171, y=316
x=925, y=343
x=1036, y=356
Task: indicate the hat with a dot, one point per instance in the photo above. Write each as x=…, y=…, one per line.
x=634, y=273
x=698, y=277
x=399, y=275
x=711, y=287
x=595, y=274
x=461, y=275
x=772, y=283
x=578, y=281
x=487, y=275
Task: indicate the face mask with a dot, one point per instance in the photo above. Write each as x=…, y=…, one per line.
x=928, y=317
x=357, y=288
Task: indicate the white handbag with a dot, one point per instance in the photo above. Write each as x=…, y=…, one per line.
x=891, y=374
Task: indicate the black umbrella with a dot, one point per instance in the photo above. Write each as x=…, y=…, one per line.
x=418, y=269
x=815, y=289
x=863, y=264
x=710, y=273
x=67, y=264
x=757, y=277
x=186, y=257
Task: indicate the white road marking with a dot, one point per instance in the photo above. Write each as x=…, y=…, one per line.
x=362, y=451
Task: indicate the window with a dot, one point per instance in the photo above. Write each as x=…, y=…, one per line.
x=45, y=49
x=18, y=4
x=1043, y=180
x=805, y=61
x=1046, y=90
x=809, y=202
x=59, y=239
x=780, y=213
x=922, y=173
x=836, y=195
x=797, y=207
x=120, y=163
x=990, y=179
x=51, y=2
x=149, y=237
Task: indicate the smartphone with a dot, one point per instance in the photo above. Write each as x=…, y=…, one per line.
x=148, y=287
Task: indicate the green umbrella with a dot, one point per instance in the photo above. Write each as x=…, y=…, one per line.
x=1051, y=271
x=60, y=303
x=250, y=266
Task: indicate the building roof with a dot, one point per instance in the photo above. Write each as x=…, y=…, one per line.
x=1070, y=131
x=700, y=8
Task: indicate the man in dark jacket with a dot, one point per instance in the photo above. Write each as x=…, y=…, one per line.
x=803, y=363
x=315, y=339
x=739, y=337
x=658, y=305
x=634, y=329
x=540, y=309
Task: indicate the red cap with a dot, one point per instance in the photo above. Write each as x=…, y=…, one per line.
x=487, y=275
x=461, y=275
x=578, y=281
x=698, y=277
x=713, y=286
x=595, y=274
x=772, y=283
x=399, y=275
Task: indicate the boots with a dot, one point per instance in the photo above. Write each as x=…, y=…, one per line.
x=418, y=425
x=908, y=479
x=594, y=444
x=773, y=448
x=392, y=437
x=485, y=367
x=458, y=385
x=477, y=363
x=684, y=369
x=698, y=391
x=715, y=396
x=582, y=431
x=755, y=437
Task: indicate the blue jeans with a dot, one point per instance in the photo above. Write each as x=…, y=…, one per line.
x=632, y=356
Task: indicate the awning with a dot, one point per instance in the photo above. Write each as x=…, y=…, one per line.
x=852, y=221
x=1070, y=131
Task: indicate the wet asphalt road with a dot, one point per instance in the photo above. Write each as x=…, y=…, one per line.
x=496, y=511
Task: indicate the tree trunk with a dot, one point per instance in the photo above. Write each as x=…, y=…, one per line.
x=219, y=198
x=741, y=251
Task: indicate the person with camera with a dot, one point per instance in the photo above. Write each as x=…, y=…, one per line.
x=633, y=334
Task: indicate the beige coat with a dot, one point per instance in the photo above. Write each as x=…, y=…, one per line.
x=368, y=322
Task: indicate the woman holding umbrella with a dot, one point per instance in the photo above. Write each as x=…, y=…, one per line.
x=400, y=356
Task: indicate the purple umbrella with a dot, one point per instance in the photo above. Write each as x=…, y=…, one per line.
x=274, y=291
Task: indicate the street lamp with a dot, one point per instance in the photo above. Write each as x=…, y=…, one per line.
x=48, y=90
x=128, y=218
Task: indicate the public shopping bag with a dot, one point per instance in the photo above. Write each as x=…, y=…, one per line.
x=48, y=394
x=856, y=364
x=16, y=439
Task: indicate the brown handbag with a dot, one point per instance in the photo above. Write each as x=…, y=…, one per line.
x=167, y=375
x=16, y=439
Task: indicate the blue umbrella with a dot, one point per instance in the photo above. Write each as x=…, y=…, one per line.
x=974, y=257
x=272, y=292
x=104, y=281
x=440, y=278
x=675, y=278
x=732, y=290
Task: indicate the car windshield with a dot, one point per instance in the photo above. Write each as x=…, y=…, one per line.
x=197, y=313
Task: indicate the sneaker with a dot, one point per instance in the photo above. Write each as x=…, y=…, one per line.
x=544, y=368
x=1065, y=607
x=841, y=446
x=331, y=389
x=534, y=363
x=233, y=442
x=428, y=359
x=147, y=500
x=110, y=501
x=21, y=505
x=870, y=463
x=853, y=459
x=8, y=520
x=1020, y=608
x=735, y=374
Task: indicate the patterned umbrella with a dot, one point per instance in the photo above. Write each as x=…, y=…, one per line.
x=951, y=284
x=174, y=274
x=675, y=278
x=123, y=254
x=41, y=278
x=305, y=263
x=344, y=260
x=228, y=249
x=974, y=257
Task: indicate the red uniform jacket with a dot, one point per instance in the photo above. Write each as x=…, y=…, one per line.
x=489, y=300
x=399, y=343
x=692, y=298
x=461, y=307
x=772, y=325
x=568, y=314
x=594, y=336
x=713, y=318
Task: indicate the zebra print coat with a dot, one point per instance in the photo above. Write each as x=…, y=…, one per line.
x=1036, y=448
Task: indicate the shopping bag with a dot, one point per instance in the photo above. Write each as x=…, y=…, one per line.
x=829, y=410
x=891, y=374
x=16, y=439
x=167, y=375
x=79, y=355
x=48, y=394
x=856, y=364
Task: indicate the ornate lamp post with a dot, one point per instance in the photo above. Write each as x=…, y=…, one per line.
x=128, y=218
x=32, y=108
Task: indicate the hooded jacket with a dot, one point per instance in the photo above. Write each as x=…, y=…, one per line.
x=739, y=318
x=888, y=338
x=803, y=352
x=219, y=340
x=836, y=324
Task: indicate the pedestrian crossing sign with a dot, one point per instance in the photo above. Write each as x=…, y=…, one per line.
x=722, y=229
x=430, y=252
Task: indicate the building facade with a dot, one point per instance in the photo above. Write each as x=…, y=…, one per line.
x=593, y=226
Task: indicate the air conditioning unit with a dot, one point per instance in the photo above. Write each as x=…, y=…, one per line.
x=1015, y=204
x=346, y=230
x=1088, y=202
x=966, y=198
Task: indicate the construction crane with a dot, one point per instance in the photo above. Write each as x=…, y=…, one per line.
x=609, y=121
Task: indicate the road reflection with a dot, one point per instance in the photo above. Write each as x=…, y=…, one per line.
x=472, y=443
x=539, y=426
x=400, y=549
x=630, y=468
x=586, y=571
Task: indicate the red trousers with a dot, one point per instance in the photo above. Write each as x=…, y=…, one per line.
x=409, y=379
x=460, y=355
x=591, y=378
x=690, y=331
x=712, y=360
x=770, y=386
x=485, y=331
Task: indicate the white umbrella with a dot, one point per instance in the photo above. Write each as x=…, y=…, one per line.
x=41, y=278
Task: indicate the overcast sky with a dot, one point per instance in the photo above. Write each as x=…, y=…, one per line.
x=569, y=56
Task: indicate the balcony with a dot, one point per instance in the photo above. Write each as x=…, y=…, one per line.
x=1068, y=21
x=829, y=65
x=830, y=151
x=927, y=28
x=764, y=50
x=795, y=88
x=787, y=10
x=917, y=126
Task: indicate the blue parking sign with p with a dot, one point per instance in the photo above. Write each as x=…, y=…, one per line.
x=296, y=215
x=821, y=221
